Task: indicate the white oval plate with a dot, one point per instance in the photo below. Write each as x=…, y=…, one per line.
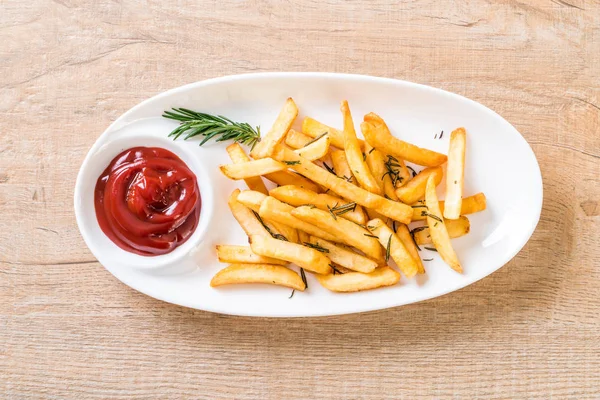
x=499, y=162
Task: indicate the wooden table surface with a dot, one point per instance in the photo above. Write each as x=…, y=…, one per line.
x=69, y=329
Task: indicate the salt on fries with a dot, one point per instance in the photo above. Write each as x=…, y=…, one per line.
x=258, y=273
x=328, y=233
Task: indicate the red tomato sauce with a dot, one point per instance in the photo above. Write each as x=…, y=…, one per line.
x=147, y=201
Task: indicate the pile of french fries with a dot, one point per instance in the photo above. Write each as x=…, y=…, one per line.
x=342, y=205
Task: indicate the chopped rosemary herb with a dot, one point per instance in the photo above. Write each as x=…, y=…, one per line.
x=414, y=173
x=369, y=235
x=328, y=168
x=392, y=165
x=441, y=134
x=426, y=214
x=316, y=247
x=419, y=206
x=412, y=235
x=430, y=249
x=291, y=162
x=331, y=212
x=308, y=205
x=292, y=295
x=335, y=270
x=274, y=235
x=364, y=156
x=394, y=226
x=428, y=259
x=388, y=248
x=344, y=208
x=370, y=151
x=316, y=138
x=303, y=275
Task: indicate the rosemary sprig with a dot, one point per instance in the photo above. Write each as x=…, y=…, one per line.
x=388, y=249
x=273, y=234
x=192, y=123
x=316, y=247
x=426, y=214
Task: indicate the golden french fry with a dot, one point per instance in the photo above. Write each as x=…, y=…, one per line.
x=282, y=124
x=456, y=228
x=245, y=217
x=243, y=255
x=315, y=150
x=377, y=166
x=284, y=178
x=437, y=229
x=258, y=273
x=415, y=188
x=378, y=135
x=392, y=209
x=297, y=140
x=394, y=247
x=274, y=210
x=341, y=166
x=314, y=128
x=253, y=201
x=455, y=173
x=303, y=237
x=238, y=156
x=343, y=257
x=342, y=230
x=252, y=168
x=305, y=257
x=356, y=281
x=297, y=196
x=404, y=235
x=355, y=156
x=470, y=205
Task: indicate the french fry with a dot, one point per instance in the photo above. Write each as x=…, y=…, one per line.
x=276, y=135
x=376, y=163
x=415, y=188
x=314, y=128
x=238, y=156
x=258, y=273
x=305, y=257
x=243, y=255
x=303, y=237
x=394, y=247
x=392, y=209
x=253, y=201
x=245, y=217
x=315, y=150
x=284, y=178
x=378, y=135
x=355, y=156
x=341, y=166
x=274, y=210
x=252, y=168
x=399, y=166
x=437, y=229
x=344, y=257
x=297, y=196
x=356, y=281
x=456, y=228
x=455, y=173
x=404, y=235
x=470, y=205
x=297, y=140
x=342, y=230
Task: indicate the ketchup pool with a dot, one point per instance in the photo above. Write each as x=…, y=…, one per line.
x=147, y=201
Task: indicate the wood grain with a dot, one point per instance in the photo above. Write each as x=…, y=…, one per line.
x=68, y=329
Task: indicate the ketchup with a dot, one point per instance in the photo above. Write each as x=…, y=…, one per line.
x=147, y=201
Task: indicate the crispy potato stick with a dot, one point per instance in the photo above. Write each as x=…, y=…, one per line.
x=378, y=135
x=245, y=217
x=392, y=209
x=343, y=230
x=253, y=201
x=297, y=196
x=282, y=124
x=341, y=166
x=314, y=128
x=258, y=273
x=238, y=156
x=470, y=205
x=297, y=140
x=344, y=257
x=252, y=168
x=404, y=235
x=355, y=156
x=283, y=178
x=437, y=229
x=274, y=210
x=415, y=188
x=456, y=228
x=356, y=281
x=455, y=173
x=243, y=255
x=305, y=257
x=303, y=237
x=315, y=150
x=394, y=247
